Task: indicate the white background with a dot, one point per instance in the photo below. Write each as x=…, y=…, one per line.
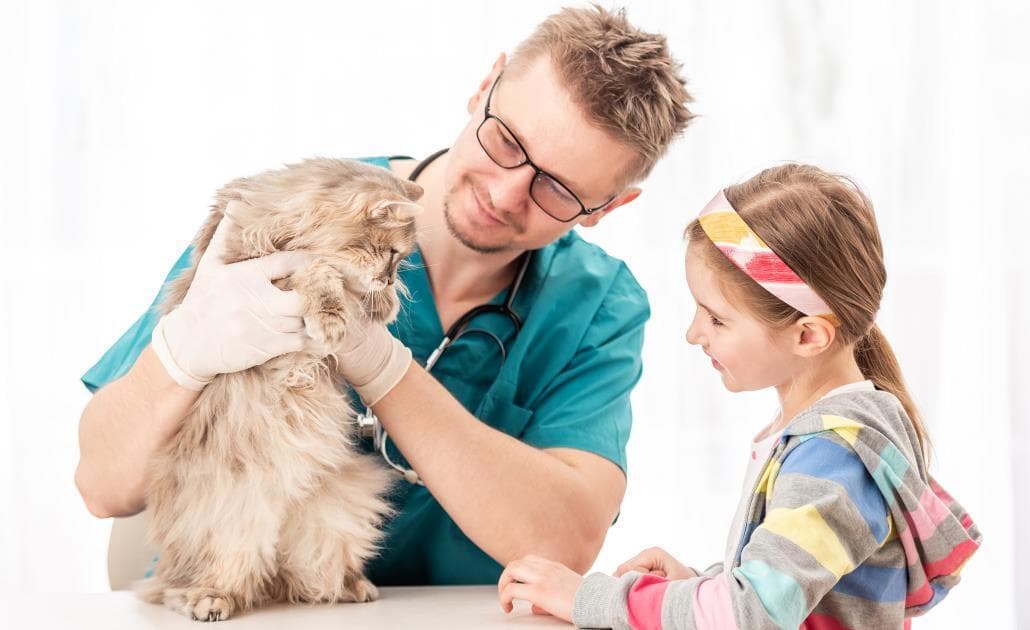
x=119, y=119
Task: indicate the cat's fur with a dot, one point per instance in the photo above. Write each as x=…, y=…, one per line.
x=262, y=494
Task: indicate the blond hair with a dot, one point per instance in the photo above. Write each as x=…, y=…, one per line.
x=624, y=78
x=823, y=226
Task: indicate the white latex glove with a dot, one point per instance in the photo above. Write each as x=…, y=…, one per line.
x=232, y=317
x=372, y=360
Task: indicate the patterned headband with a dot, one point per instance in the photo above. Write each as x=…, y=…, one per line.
x=733, y=237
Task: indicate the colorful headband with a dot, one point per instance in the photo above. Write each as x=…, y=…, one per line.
x=741, y=245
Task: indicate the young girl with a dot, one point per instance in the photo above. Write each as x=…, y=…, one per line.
x=840, y=525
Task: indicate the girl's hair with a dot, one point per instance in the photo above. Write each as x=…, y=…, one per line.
x=822, y=225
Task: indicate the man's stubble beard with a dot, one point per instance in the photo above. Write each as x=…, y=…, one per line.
x=464, y=239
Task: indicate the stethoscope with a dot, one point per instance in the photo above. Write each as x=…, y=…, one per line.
x=369, y=425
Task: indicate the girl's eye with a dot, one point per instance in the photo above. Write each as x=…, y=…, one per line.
x=715, y=322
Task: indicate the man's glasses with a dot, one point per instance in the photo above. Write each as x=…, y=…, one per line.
x=501, y=146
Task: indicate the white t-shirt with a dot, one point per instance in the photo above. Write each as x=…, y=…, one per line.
x=761, y=448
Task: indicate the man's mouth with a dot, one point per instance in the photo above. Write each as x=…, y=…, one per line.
x=484, y=210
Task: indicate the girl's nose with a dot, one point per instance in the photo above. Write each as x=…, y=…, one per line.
x=694, y=336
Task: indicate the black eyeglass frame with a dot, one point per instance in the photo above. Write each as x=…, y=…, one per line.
x=538, y=172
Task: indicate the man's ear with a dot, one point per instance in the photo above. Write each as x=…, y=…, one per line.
x=812, y=336
x=487, y=81
x=622, y=199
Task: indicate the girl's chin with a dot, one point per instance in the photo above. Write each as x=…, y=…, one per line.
x=732, y=385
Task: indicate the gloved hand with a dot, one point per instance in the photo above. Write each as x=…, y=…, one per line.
x=372, y=360
x=232, y=317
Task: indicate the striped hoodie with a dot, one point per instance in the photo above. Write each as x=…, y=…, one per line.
x=845, y=530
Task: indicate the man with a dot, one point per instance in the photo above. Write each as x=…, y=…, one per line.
x=517, y=435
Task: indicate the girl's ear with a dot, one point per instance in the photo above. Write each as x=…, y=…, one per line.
x=812, y=336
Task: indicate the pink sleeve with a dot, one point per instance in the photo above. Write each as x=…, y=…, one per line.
x=644, y=602
x=713, y=607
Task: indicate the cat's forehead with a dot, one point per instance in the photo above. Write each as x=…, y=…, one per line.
x=394, y=233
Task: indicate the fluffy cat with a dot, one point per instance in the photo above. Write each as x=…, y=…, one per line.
x=262, y=495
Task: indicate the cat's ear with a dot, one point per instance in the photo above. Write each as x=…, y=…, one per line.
x=412, y=190
x=399, y=211
x=406, y=211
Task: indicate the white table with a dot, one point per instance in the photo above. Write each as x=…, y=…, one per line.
x=440, y=607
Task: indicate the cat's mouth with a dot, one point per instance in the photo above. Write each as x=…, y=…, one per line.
x=381, y=303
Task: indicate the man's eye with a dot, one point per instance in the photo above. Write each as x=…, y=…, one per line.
x=560, y=190
x=509, y=142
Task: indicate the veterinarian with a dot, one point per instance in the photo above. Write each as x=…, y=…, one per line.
x=515, y=440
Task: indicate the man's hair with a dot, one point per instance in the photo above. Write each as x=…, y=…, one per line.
x=624, y=78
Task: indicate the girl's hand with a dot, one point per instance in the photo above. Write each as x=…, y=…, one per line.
x=656, y=562
x=549, y=586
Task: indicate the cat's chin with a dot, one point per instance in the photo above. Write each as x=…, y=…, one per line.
x=382, y=306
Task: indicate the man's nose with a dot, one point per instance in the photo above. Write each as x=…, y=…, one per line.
x=510, y=189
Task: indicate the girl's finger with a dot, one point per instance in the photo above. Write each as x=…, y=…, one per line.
x=647, y=561
x=507, y=577
x=513, y=591
x=520, y=571
x=634, y=565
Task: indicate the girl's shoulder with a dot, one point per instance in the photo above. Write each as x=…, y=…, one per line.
x=869, y=421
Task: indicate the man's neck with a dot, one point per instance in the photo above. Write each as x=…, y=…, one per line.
x=458, y=275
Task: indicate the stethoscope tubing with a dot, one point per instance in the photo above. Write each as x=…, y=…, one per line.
x=368, y=419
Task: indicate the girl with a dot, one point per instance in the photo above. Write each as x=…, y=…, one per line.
x=840, y=525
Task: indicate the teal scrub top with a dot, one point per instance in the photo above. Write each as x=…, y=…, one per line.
x=565, y=383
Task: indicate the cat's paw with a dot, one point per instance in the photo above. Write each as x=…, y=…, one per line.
x=210, y=608
x=362, y=591
x=326, y=330
x=199, y=603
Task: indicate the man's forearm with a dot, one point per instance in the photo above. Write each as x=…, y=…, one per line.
x=121, y=428
x=509, y=498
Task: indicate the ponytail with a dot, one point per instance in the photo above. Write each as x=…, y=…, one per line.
x=877, y=361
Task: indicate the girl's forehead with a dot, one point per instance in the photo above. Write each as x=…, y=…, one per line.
x=704, y=284
x=700, y=275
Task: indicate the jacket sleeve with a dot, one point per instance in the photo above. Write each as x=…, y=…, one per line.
x=824, y=517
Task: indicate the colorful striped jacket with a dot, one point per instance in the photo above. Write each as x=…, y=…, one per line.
x=846, y=530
